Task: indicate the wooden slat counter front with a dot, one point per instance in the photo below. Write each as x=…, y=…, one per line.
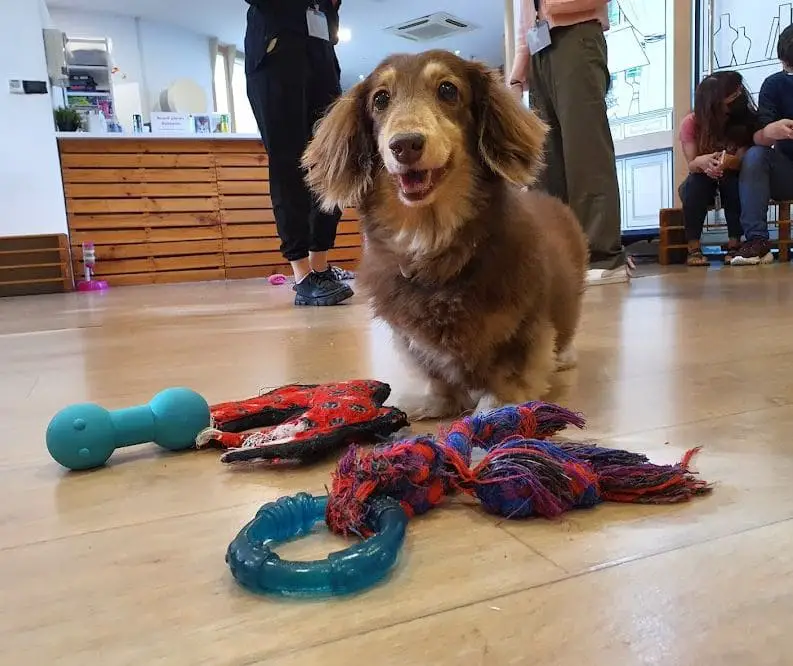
x=162, y=209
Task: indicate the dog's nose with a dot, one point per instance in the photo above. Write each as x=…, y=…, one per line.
x=407, y=148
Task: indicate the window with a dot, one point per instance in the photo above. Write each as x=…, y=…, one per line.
x=221, y=85
x=742, y=36
x=640, y=62
x=244, y=120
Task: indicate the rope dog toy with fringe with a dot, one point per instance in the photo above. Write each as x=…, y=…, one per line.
x=374, y=493
x=521, y=475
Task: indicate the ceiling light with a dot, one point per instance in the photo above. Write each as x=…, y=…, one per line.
x=361, y=77
x=457, y=52
x=345, y=34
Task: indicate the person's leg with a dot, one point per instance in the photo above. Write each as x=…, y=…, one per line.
x=781, y=177
x=731, y=203
x=324, y=89
x=580, y=82
x=276, y=91
x=277, y=94
x=696, y=193
x=754, y=189
x=552, y=179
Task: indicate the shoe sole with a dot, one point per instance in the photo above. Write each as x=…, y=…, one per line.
x=752, y=261
x=331, y=299
x=598, y=277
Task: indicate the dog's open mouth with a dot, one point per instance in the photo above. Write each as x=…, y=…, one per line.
x=416, y=185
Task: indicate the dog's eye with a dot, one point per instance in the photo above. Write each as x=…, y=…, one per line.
x=447, y=92
x=381, y=100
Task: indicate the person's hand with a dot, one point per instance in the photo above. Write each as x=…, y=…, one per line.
x=780, y=130
x=715, y=172
x=709, y=164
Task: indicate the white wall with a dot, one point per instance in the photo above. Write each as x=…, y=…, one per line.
x=149, y=53
x=31, y=192
x=171, y=53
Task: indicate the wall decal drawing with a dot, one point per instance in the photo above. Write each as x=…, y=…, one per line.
x=741, y=47
x=744, y=38
x=723, y=38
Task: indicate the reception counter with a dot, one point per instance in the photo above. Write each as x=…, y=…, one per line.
x=181, y=209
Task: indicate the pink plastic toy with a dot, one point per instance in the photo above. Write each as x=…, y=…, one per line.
x=89, y=261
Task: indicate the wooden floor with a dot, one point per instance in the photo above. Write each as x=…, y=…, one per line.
x=125, y=565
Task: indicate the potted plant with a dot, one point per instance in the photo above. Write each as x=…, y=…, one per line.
x=68, y=120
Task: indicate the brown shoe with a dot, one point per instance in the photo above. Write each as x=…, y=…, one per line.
x=753, y=252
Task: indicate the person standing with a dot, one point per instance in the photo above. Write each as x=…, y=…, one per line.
x=767, y=168
x=292, y=76
x=561, y=55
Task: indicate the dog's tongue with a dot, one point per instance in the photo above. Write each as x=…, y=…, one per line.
x=415, y=182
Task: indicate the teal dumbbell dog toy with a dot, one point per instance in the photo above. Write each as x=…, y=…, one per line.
x=84, y=436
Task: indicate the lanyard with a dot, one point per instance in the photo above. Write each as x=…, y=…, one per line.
x=537, y=6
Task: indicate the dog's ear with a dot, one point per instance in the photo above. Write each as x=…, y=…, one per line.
x=339, y=161
x=510, y=137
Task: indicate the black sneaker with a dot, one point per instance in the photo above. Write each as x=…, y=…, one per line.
x=319, y=289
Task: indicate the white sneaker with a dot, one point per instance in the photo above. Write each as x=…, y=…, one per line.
x=767, y=258
x=600, y=276
x=753, y=253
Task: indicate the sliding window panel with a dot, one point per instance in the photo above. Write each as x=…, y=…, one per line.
x=640, y=57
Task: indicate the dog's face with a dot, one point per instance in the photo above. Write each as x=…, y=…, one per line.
x=431, y=121
x=421, y=117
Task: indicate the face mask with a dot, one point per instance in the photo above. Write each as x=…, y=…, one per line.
x=738, y=107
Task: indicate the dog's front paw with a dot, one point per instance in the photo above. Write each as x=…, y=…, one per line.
x=488, y=402
x=566, y=359
x=428, y=407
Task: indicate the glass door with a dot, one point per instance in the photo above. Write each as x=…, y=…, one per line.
x=640, y=62
x=640, y=104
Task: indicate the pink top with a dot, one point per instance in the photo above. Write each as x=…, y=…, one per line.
x=688, y=129
x=558, y=13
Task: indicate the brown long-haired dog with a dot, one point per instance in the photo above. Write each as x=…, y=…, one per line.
x=480, y=281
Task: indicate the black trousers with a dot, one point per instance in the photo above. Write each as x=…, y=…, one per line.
x=698, y=192
x=289, y=91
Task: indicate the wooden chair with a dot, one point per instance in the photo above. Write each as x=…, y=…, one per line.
x=672, y=241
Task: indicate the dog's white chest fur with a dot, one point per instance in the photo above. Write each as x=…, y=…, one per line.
x=436, y=358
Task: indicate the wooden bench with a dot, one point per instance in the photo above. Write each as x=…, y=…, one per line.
x=35, y=265
x=672, y=242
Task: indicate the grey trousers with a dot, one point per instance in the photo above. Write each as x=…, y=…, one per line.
x=569, y=82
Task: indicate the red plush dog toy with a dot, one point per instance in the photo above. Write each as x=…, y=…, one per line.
x=302, y=422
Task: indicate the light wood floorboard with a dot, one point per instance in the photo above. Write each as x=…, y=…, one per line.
x=125, y=565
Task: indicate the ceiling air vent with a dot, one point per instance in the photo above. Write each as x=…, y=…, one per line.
x=429, y=28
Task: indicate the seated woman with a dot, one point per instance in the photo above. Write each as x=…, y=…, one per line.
x=714, y=139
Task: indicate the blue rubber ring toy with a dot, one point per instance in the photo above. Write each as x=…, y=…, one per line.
x=256, y=567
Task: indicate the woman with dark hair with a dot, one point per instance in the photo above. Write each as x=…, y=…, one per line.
x=714, y=139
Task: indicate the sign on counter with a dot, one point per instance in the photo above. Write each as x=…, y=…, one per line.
x=171, y=123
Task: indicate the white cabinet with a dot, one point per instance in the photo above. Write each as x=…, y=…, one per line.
x=645, y=183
